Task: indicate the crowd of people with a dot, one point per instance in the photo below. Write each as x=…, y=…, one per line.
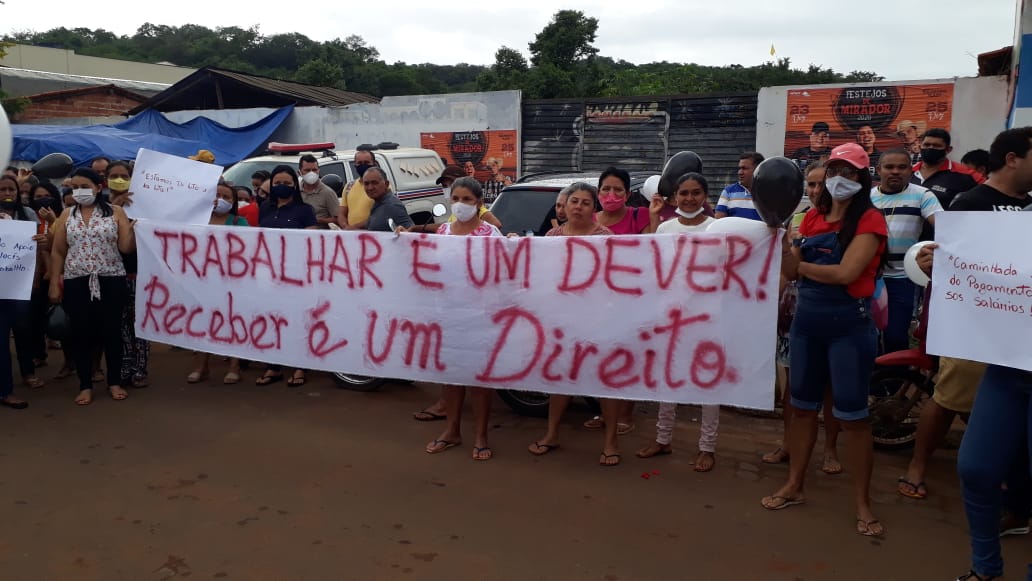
x=843, y=248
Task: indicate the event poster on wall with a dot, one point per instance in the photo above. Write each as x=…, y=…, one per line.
x=877, y=117
x=476, y=151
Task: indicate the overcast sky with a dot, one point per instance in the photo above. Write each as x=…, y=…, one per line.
x=898, y=39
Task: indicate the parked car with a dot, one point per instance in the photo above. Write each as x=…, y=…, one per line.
x=528, y=206
x=413, y=172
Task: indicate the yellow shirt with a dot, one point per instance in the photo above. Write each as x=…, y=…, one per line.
x=358, y=204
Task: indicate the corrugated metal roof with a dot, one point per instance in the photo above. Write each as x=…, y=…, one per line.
x=22, y=82
x=211, y=88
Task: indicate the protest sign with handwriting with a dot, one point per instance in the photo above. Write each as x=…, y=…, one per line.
x=981, y=307
x=663, y=318
x=17, y=259
x=172, y=189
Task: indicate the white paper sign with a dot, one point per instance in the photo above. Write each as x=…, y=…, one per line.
x=981, y=307
x=172, y=189
x=663, y=318
x=17, y=259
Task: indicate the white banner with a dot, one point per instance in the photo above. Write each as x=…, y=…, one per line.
x=172, y=189
x=981, y=307
x=682, y=318
x=17, y=259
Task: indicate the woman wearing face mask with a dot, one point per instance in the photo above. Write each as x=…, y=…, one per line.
x=135, y=351
x=467, y=198
x=814, y=188
x=89, y=240
x=46, y=201
x=16, y=315
x=223, y=213
x=614, y=189
x=690, y=193
x=833, y=338
x=580, y=221
x=285, y=209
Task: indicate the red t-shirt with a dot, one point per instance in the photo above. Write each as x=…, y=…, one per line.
x=249, y=213
x=872, y=222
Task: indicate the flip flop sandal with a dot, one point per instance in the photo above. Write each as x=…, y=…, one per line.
x=595, y=423
x=79, y=400
x=622, y=429
x=269, y=379
x=434, y=449
x=478, y=454
x=780, y=452
x=604, y=460
x=916, y=494
x=34, y=382
x=231, y=378
x=63, y=373
x=544, y=448
x=196, y=377
x=140, y=381
x=14, y=405
x=649, y=453
x=712, y=459
x=428, y=416
x=866, y=531
x=119, y=395
x=781, y=502
x=296, y=381
x=833, y=471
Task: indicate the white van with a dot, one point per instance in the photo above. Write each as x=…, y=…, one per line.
x=413, y=172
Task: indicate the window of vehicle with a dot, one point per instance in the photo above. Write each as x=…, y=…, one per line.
x=240, y=174
x=522, y=209
x=333, y=168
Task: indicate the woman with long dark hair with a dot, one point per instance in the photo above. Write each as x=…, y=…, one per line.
x=833, y=337
x=285, y=208
x=87, y=276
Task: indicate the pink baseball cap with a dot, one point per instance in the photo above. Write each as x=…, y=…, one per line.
x=851, y=153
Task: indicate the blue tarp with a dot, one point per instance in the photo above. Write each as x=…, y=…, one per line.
x=150, y=130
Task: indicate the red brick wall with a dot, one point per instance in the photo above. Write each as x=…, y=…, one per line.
x=88, y=105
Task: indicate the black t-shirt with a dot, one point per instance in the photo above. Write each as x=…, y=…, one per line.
x=946, y=184
x=985, y=198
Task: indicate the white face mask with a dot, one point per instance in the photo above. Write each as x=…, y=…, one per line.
x=243, y=204
x=310, y=178
x=463, y=212
x=841, y=189
x=223, y=206
x=689, y=215
x=84, y=196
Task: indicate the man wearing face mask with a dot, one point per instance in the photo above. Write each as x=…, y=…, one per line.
x=317, y=194
x=355, y=205
x=939, y=174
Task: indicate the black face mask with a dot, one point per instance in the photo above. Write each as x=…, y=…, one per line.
x=8, y=207
x=360, y=168
x=283, y=192
x=932, y=156
x=40, y=203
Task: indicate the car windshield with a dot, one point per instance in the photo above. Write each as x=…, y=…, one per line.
x=240, y=174
x=522, y=209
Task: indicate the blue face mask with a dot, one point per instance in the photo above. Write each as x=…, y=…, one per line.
x=282, y=192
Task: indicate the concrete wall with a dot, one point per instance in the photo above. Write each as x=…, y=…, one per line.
x=979, y=113
x=55, y=60
x=397, y=119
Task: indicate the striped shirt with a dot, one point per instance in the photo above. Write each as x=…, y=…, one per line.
x=736, y=201
x=905, y=214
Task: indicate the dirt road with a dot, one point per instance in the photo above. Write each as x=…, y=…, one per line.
x=237, y=482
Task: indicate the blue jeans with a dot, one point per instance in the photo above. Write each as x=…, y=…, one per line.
x=901, y=295
x=833, y=343
x=999, y=429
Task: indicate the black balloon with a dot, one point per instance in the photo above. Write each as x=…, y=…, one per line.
x=777, y=187
x=334, y=182
x=53, y=166
x=681, y=163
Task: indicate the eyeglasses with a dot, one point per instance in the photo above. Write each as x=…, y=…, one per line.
x=846, y=171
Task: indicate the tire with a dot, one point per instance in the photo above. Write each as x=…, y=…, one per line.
x=894, y=403
x=358, y=382
x=526, y=403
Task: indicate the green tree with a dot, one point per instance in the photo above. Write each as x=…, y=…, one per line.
x=509, y=71
x=565, y=41
x=320, y=73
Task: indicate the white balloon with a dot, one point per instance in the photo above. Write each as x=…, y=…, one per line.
x=650, y=187
x=6, y=141
x=914, y=272
x=753, y=230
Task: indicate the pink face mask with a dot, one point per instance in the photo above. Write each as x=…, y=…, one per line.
x=611, y=202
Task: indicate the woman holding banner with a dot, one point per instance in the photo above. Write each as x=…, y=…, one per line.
x=580, y=221
x=833, y=338
x=467, y=201
x=89, y=240
x=223, y=213
x=285, y=208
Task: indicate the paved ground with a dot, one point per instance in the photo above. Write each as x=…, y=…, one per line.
x=243, y=483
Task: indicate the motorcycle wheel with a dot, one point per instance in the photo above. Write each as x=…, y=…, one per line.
x=358, y=382
x=526, y=403
x=894, y=404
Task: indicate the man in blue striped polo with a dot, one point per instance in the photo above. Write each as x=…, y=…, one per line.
x=907, y=207
x=736, y=200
